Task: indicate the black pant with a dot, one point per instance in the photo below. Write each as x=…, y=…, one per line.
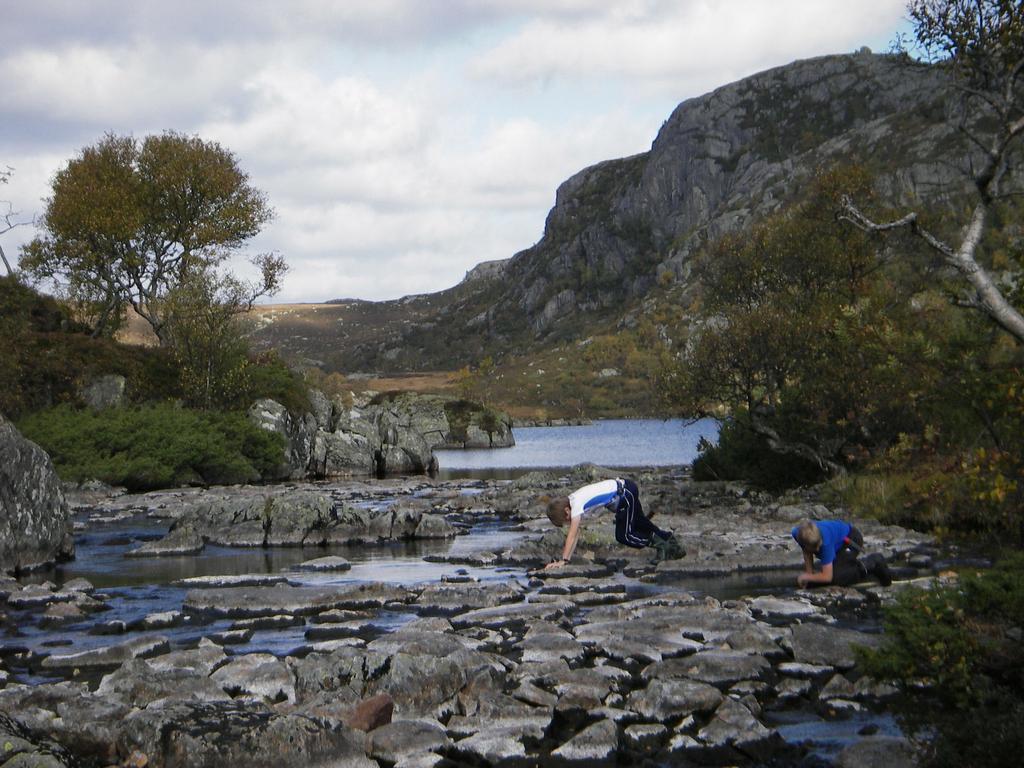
x=632, y=527
x=846, y=569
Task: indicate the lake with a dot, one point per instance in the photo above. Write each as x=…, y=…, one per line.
x=621, y=443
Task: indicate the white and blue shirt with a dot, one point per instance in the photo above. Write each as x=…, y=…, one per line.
x=603, y=494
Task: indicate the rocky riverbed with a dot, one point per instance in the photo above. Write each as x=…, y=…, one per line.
x=321, y=653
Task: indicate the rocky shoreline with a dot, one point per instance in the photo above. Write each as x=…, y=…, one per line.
x=611, y=658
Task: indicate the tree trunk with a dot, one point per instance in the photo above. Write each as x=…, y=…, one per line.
x=6, y=263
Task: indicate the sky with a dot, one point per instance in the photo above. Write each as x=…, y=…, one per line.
x=400, y=142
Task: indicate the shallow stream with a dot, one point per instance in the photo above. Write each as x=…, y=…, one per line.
x=135, y=588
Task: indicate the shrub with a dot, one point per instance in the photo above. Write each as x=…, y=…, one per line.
x=961, y=644
x=741, y=454
x=154, y=446
x=270, y=377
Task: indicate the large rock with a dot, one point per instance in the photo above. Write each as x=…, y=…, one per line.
x=105, y=392
x=400, y=739
x=665, y=700
x=110, y=656
x=292, y=518
x=201, y=734
x=878, y=750
x=824, y=645
x=394, y=433
x=35, y=520
x=298, y=432
x=249, y=602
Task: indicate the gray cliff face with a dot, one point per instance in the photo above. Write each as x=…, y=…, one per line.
x=719, y=162
x=35, y=520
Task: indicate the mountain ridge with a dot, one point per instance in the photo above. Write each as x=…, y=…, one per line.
x=623, y=226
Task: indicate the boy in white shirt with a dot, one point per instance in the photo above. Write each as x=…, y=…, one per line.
x=632, y=527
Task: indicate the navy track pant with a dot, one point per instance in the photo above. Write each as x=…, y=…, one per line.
x=632, y=527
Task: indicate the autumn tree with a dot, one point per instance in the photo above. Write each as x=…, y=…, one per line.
x=129, y=220
x=981, y=44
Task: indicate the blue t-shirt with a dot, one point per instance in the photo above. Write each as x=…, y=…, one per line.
x=833, y=533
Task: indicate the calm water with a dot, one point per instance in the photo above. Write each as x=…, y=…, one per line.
x=608, y=443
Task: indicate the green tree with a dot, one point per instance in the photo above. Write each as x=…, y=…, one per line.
x=204, y=328
x=981, y=43
x=128, y=221
x=800, y=339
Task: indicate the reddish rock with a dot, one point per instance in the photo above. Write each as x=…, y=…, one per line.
x=371, y=713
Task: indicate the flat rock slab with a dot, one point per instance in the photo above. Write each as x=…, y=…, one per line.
x=459, y=598
x=493, y=746
x=257, y=674
x=524, y=726
x=878, y=750
x=248, y=602
x=518, y=614
x=36, y=596
x=174, y=544
x=636, y=639
x=780, y=608
x=733, y=725
x=202, y=660
x=240, y=580
x=665, y=700
x=425, y=642
x=549, y=647
x=805, y=671
x=237, y=733
x=645, y=736
x=719, y=668
x=599, y=741
x=583, y=571
x=575, y=586
x=823, y=645
x=402, y=738
x=324, y=564
x=111, y=656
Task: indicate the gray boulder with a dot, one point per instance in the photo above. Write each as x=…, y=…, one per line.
x=665, y=700
x=824, y=645
x=35, y=520
x=598, y=742
x=104, y=392
x=385, y=434
x=878, y=750
x=139, y=684
x=198, y=734
x=734, y=725
x=298, y=433
x=403, y=738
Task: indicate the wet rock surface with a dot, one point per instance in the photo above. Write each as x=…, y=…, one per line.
x=614, y=658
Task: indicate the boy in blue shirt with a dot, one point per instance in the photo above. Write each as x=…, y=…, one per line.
x=632, y=527
x=836, y=544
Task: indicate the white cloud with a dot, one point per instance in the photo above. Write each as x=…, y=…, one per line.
x=400, y=141
x=688, y=45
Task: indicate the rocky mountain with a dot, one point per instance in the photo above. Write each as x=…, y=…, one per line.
x=622, y=228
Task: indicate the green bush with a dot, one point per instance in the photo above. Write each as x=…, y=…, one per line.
x=154, y=446
x=961, y=644
x=741, y=454
x=270, y=377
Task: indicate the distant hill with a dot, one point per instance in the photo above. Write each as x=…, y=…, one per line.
x=618, y=242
